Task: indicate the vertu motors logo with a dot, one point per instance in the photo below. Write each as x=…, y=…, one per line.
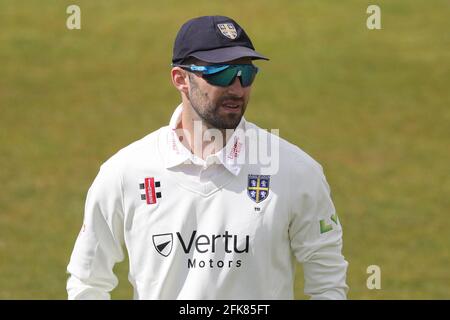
x=163, y=243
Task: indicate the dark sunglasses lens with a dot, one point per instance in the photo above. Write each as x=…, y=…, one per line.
x=248, y=75
x=226, y=77
x=222, y=78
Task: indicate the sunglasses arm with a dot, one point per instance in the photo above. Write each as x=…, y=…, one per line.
x=202, y=69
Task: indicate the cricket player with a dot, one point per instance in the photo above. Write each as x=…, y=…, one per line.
x=194, y=206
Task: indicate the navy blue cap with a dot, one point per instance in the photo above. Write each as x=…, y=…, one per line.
x=213, y=39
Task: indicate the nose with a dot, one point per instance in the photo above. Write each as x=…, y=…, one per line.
x=236, y=87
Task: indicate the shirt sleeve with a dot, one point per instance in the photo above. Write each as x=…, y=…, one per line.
x=99, y=245
x=316, y=236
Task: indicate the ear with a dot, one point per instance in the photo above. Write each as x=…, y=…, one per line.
x=180, y=79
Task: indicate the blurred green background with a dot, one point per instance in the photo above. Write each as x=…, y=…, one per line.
x=371, y=106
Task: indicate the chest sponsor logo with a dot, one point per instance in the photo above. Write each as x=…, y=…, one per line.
x=150, y=189
x=203, y=244
x=258, y=187
x=163, y=243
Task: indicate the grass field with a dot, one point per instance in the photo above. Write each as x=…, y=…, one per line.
x=371, y=106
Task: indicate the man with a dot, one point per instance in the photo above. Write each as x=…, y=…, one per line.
x=198, y=218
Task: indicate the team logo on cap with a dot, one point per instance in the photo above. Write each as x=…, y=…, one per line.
x=258, y=187
x=228, y=30
x=163, y=243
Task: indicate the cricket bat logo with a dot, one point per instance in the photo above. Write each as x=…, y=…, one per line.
x=150, y=190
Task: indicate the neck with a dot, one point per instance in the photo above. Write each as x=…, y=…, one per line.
x=197, y=136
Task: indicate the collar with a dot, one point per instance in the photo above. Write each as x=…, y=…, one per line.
x=232, y=156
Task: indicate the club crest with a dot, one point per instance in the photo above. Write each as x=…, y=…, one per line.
x=228, y=30
x=258, y=187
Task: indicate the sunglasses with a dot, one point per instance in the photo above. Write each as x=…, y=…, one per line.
x=223, y=75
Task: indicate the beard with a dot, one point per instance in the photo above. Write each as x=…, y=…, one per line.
x=213, y=114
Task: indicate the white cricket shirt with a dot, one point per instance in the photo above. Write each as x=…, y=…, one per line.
x=219, y=228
